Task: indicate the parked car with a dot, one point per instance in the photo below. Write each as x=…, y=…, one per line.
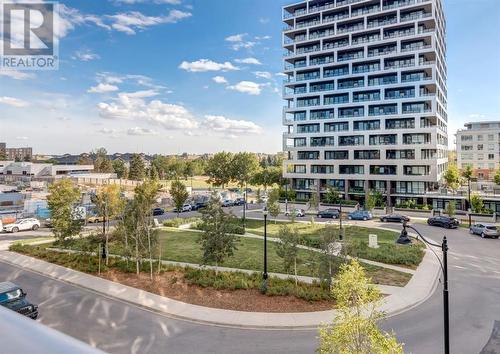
x=329, y=213
x=239, y=201
x=297, y=212
x=360, y=215
x=95, y=219
x=443, y=221
x=184, y=208
x=14, y=298
x=394, y=218
x=22, y=225
x=484, y=230
x=198, y=205
x=227, y=203
x=158, y=211
x=48, y=223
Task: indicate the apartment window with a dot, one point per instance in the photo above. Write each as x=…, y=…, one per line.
x=309, y=75
x=491, y=147
x=491, y=156
x=351, y=140
x=366, y=96
x=480, y=157
x=337, y=99
x=336, y=71
x=308, y=155
x=385, y=139
x=382, y=80
x=321, y=169
x=410, y=187
x=416, y=107
x=351, y=112
x=324, y=86
x=351, y=170
x=307, y=128
x=299, y=116
x=367, y=155
x=382, y=110
x=469, y=138
x=322, y=141
x=367, y=125
x=322, y=114
x=415, y=139
x=337, y=155
x=416, y=170
x=338, y=184
x=491, y=137
x=336, y=127
x=400, y=154
x=306, y=102
x=479, y=138
x=365, y=67
x=408, y=92
x=350, y=55
x=298, y=142
x=299, y=168
x=322, y=60
x=403, y=123
x=428, y=154
x=469, y=147
x=383, y=170
x=350, y=83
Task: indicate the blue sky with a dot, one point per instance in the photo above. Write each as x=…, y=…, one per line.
x=173, y=76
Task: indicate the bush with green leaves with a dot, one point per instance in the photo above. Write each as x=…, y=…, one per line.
x=176, y=222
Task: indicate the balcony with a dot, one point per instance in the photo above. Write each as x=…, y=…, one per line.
x=350, y=28
x=329, y=19
x=399, y=34
x=415, y=48
x=326, y=6
x=398, y=4
x=381, y=23
x=380, y=53
x=416, y=16
x=307, y=24
x=365, y=40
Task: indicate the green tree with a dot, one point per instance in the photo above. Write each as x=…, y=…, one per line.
x=267, y=176
x=217, y=239
x=120, y=168
x=179, y=195
x=330, y=257
x=153, y=173
x=288, y=249
x=373, y=199
x=109, y=204
x=62, y=200
x=332, y=195
x=450, y=208
x=314, y=201
x=273, y=205
x=137, y=171
x=244, y=167
x=496, y=178
x=3, y=155
x=468, y=172
x=355, y=329
x=452, y=177
x=102, y=164
x=219, y=169
x=477, y=203
x=85, y=160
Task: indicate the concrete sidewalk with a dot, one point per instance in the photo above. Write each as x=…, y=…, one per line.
x=419, y=289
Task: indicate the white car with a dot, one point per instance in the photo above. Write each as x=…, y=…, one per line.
x=186, y=208
x=22, y=225
x=300, y=213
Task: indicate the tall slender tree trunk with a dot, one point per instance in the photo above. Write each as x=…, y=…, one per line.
x=295, y=270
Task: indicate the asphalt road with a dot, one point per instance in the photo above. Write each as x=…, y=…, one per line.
x=118, y=327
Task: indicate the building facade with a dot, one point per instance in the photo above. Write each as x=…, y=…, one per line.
x=365, y=93
x=16, y=154
x=478, y=146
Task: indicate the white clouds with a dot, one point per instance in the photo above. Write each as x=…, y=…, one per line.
x=132, y=106
x=262, y=38
x=248, y=87
x=264, y=20
x=236, y=37
x=130, y=22
x=102, y=88
x=85, y=55
x=219, y=80
x=263, y=74
x=17, y=75
x=221, y=124
x=206, y=65
x=136, y=131
x=13, y=102
x=251, y=61
x=238, y=41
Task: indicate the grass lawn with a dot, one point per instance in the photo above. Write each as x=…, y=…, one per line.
x=388, y=252
x=182, y=246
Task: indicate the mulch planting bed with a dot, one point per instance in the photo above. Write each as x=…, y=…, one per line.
x=173, y=285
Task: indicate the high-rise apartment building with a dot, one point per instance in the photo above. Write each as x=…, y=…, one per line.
x=478, y=146
x=365, y=93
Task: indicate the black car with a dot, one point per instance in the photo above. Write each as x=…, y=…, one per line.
x=158, y=211
x=14, y=298
x=239, y=201
x=394, y=218
x=443, y=221
x=329, y=213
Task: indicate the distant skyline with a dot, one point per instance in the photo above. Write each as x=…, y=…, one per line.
x=200, y=76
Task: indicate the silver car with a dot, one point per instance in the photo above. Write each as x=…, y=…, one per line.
x=484, y=230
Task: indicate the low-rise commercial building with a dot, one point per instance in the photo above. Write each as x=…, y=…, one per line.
x=16, y=154
x=26, y=172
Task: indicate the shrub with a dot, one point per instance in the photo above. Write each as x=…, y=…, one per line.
x=410, y=255
x=176, y=222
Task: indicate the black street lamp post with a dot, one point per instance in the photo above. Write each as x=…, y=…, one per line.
x=244, y=205
x=264, y=276
x=404, y=240
x=469, y=206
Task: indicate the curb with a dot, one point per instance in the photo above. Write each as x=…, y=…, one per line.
x=392, y=305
